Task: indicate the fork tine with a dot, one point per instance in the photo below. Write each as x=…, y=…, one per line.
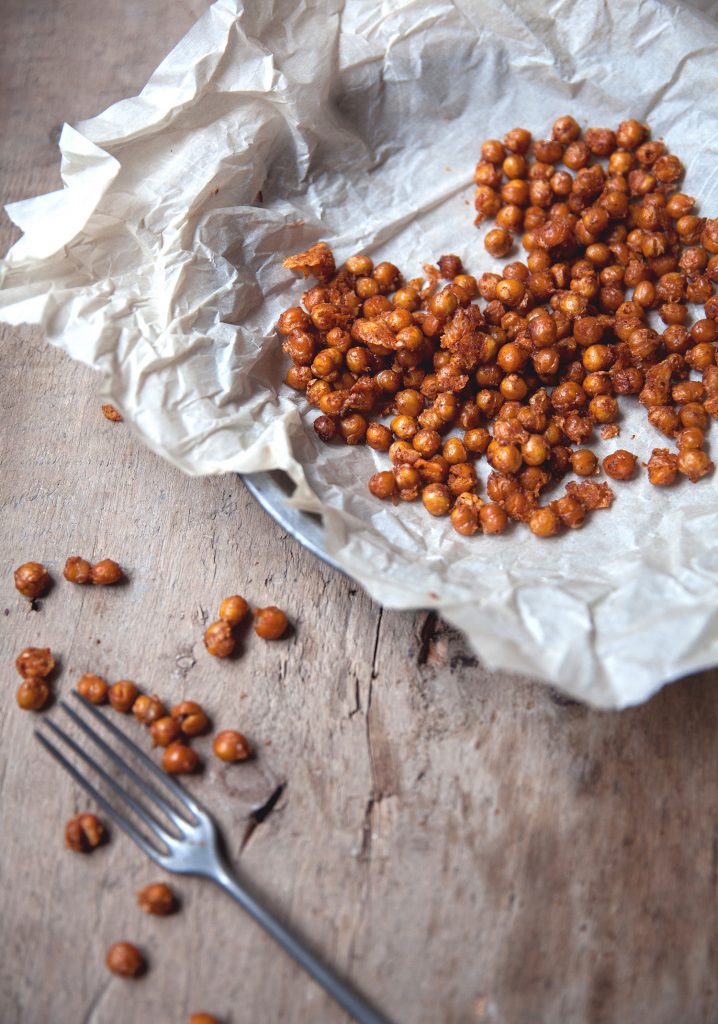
x=181, y=794
x=146, y=788
x=149, y=819
x=111, y=811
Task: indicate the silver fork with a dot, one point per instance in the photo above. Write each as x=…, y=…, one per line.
x=194, y=850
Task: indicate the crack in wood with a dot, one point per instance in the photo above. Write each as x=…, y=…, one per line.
x=261, y=813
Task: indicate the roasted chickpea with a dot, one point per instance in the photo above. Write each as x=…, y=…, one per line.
x=106, y=572
x=165, y=731
x=179, y=759
x=231, y=746
x=122, y=695
x=270, y=623
x=565, y=129
x=498, y=243
x=32, y=579
x=465, y=519
x=383, y=485
x=125, y=959
x=584, y=462
x=378, y=437
x=544, y=522
x=477, y=440
x=694, y=463
x=570, y=511
x=84, y=833
x=92, y=688
x=77, y=570
x=690, y=437
x=603, y=409
x=517, y=140
x=493, y=519
x=353, y=428
x=148, y=709
x=233, y=609
x=219, y=639
x=620, y=465
x=35, y=662
x=505, y=458
x=487, y=202
x=662, y=467
x=360, y=265
x=33, y=694
x=436, y=499
x=158, y=899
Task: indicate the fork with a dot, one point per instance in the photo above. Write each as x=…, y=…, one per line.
x=194, y=850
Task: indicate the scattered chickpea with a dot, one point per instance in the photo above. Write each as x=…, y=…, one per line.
x=165, y=731
x=233, y=609
x=84, y=833
x=92, y=688
x=219, y=639
x=620, y=465
x=77, y=570
x=158, y=899
x=35, y=662
x=544, y=522
x=179, y=759
x=122, y=695
x=125, y=959
x=148, y=709
x=230, y=745
x=32, y=579
x=694, y=463
x=33, y=694
x=191, y=717
x=270, y=623
x=106, y=572
x=112, y=414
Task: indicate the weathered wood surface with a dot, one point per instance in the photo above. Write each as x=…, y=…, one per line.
x=469, y=847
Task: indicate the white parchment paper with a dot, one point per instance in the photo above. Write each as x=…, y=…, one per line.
x=159, y=264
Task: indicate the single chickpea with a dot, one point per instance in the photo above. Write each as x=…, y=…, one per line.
x=408, y=402
x=325, y=428
x=565, y=129
x=360, y=265
x=517, y=140
x=270, y=623
x=292, y=319
x=111, y=413
x=383, y=485
x=105, y=573
x=535, y=451
x=219, y=639
x=584, y=462
x=620, y=465
x=191, y=717
x=233, y=609
x=77, y=570
x=84, y=833
x=694, y=463
x=378, y=437
x=92, y=688
x=32, y=579
x=179, y=759
x=125, y=959
x=231, y=746
x=690, y=437
x=32, y=694
x=544, y=522
x=477, y=440
x=436, y=499
x=454, y=451
x=465, y=519
x=662, y=467
x=122, y=695
x=603, y=409
x=570, y=511
x=165, y=731
x=493, y=519
x=157, y=898
x=148, y=709
x=498, y=243
x=505, y=458
x=35, y=663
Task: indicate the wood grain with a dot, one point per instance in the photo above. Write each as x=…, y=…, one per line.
x=469, y=846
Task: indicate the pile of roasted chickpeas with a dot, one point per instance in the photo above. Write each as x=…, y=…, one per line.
x=561, y=338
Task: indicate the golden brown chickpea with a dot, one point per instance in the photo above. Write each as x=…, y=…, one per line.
x=111, y=414
x=510, y=291
x=694, y=463
x=510, y=218
x=544, y=522
x=662, y=467
x=92, y=688
x=125, y=959
x=178, y=759
x=404, y=427
x=33, y=694
x=505, y=458
x=191, y=718
x=565, y=129
x=148, y=709
x=515, y=192
x=517, y=140
x=535, y=451
x=233, y=609
x=35, y=662
x=465, y=519
x=570, y=511
x=515, y=166
x=477, y=440
x=157, y=898
x=584, y=462
x=366, y=287
x=231, y=746
x=436, y=499
x=631, y=134
x=620, y=465
x=270, y=623
x=122, y=695
x=352, y=428
x=383, y=485
x=293, y=319
x=84, y=833
x=492, y=151
x=32, y=579
x=105, y=573
x=378, y=437
x=498, y=243
x=164, y=731
x=77, y=570
x=603, y=409
x=360, y=265
x=219, y=639
x=493, y=519
x=601, y=141
x=690, y=437
x=454, y=451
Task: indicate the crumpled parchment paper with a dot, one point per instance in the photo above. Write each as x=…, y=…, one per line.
x=271, y=127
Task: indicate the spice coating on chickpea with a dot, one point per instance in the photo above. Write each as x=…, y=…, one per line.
x=233, y=609
x=93, y=688
x=35, y=662
x=620, y=465
x=77, y=570
x=270, y=623
x=106, y=572
x=32, y=694
x=32, y=579
x=231, y=746
x=125, y=960
x=178, y=759
x=111, y=413
x=158, y=899
x=219, y=639
x=191, y=716
x=84, y=833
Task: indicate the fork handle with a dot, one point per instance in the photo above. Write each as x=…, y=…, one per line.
x=349, y=1000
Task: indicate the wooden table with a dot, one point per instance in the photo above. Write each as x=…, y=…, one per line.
x=468, y=846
